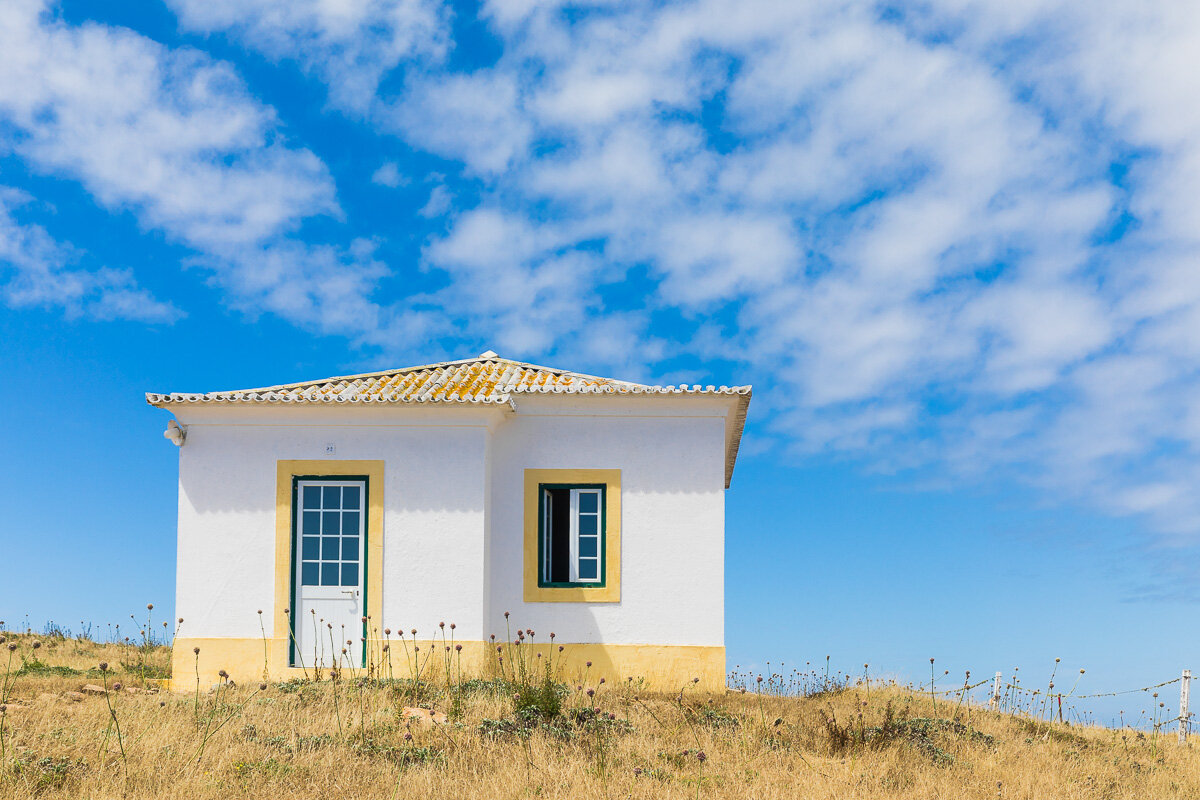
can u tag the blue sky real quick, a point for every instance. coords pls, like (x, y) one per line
(952, 244)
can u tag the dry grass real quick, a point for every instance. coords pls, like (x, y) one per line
(346, 741)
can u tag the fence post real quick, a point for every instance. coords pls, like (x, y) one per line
(994, 702)
(1184, 687)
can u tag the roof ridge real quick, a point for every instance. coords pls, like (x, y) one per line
(419, 367)
(357, 376)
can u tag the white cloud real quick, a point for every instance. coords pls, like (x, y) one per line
(350, 44)
(902, 225)
(907, 216)
(389, 175)
(40, 273)
(321, 288)
(174, 136)
(171, 133)
(439, 202)
(474, 118)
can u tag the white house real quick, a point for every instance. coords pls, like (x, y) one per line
(340, 508)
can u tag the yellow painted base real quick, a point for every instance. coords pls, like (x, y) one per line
(653, 667)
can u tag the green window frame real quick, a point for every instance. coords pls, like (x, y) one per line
(294, 545)
(572, 535)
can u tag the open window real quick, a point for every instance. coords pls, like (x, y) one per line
(571, 534)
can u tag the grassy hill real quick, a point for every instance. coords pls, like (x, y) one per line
(500, 738)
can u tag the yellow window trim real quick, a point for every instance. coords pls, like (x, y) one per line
(284, 525)
(611, 591)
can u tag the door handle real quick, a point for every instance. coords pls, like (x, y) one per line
(351, 592)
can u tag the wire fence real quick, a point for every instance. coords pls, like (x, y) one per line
(1005, 696)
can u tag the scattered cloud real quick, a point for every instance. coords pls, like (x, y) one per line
(929, 228)
(389, 175)
(174, 136)
(41, 273)
(958, 234)
(171, 133)
(349, 45)
(440, 201)
(475, 118)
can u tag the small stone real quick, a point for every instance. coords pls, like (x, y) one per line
(425, 716)
(92, 688)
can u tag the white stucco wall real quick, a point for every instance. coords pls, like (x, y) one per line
(453, 511)
(434, 476)
(672, 461)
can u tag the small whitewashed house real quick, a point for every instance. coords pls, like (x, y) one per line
(315, 516)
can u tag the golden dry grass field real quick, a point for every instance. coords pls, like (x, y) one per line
(350, 739)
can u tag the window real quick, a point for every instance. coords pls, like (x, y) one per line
(331, 532)
(571, 534)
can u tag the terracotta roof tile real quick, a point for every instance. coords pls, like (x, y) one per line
(486, 379)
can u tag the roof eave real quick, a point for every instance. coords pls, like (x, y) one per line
(734, 437)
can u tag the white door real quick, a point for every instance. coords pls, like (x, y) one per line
(330, 536)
